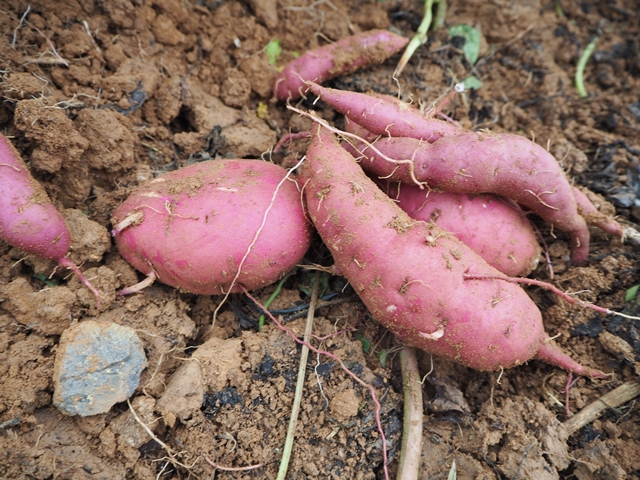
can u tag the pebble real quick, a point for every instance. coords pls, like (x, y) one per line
(98, 364)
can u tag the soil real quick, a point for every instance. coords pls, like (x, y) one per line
(100, 97)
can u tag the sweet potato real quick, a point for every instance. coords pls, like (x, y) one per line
(428, 129)
(28, 219)
(383, 116)
(504, 164)
(344, 56)
(488, 224)
(193, 227)
(411, 275)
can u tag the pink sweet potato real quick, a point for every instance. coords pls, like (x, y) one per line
(191, 228)
(504, 164)
(383, 116)
(344, 56)
(28, 219)
(411, 275)
(488, 224)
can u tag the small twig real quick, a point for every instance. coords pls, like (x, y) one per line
(231, 469)
(524, 457)
(552, 288)
(302, 369)
(50, 43)
(570, 383)
(411, 450)
(621, 395)
(167, 448)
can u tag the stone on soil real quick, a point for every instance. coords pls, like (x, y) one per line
(98, 364)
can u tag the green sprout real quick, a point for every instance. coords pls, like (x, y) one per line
(582, 63)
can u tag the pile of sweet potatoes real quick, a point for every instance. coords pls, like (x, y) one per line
(217, 226)
(413, 275)
(209, 228)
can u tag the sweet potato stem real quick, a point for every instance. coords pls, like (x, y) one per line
(582, 63)
(273, 296)
(420, 38)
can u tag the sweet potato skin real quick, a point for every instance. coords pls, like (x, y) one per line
(486, 223)
(28, 219)
(200, 220)
(503, 164)
(329, 61)
(411, 275)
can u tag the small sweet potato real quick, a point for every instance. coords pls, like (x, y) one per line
(193, 227)
(385, 116)
(411, 275)
(344, 56)
(28, 219)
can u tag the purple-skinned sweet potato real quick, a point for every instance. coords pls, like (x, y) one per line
(491, 226)
(339, 58)
(411, 275)
(28, 219)
(193, 227)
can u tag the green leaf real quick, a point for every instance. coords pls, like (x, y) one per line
(306, 283)
(273, 51)
(631, 293)
(383, 357)
(472, 82)
(47, 281)
(472, 37)
(366, 343)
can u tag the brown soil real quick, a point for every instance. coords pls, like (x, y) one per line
(151, 85)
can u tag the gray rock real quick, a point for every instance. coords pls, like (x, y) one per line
(98, 364)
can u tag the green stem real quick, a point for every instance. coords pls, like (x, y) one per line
(273, 296)
(441, 13)
(582, 63)
(302, 368)
(411, 450)
(420, 37)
